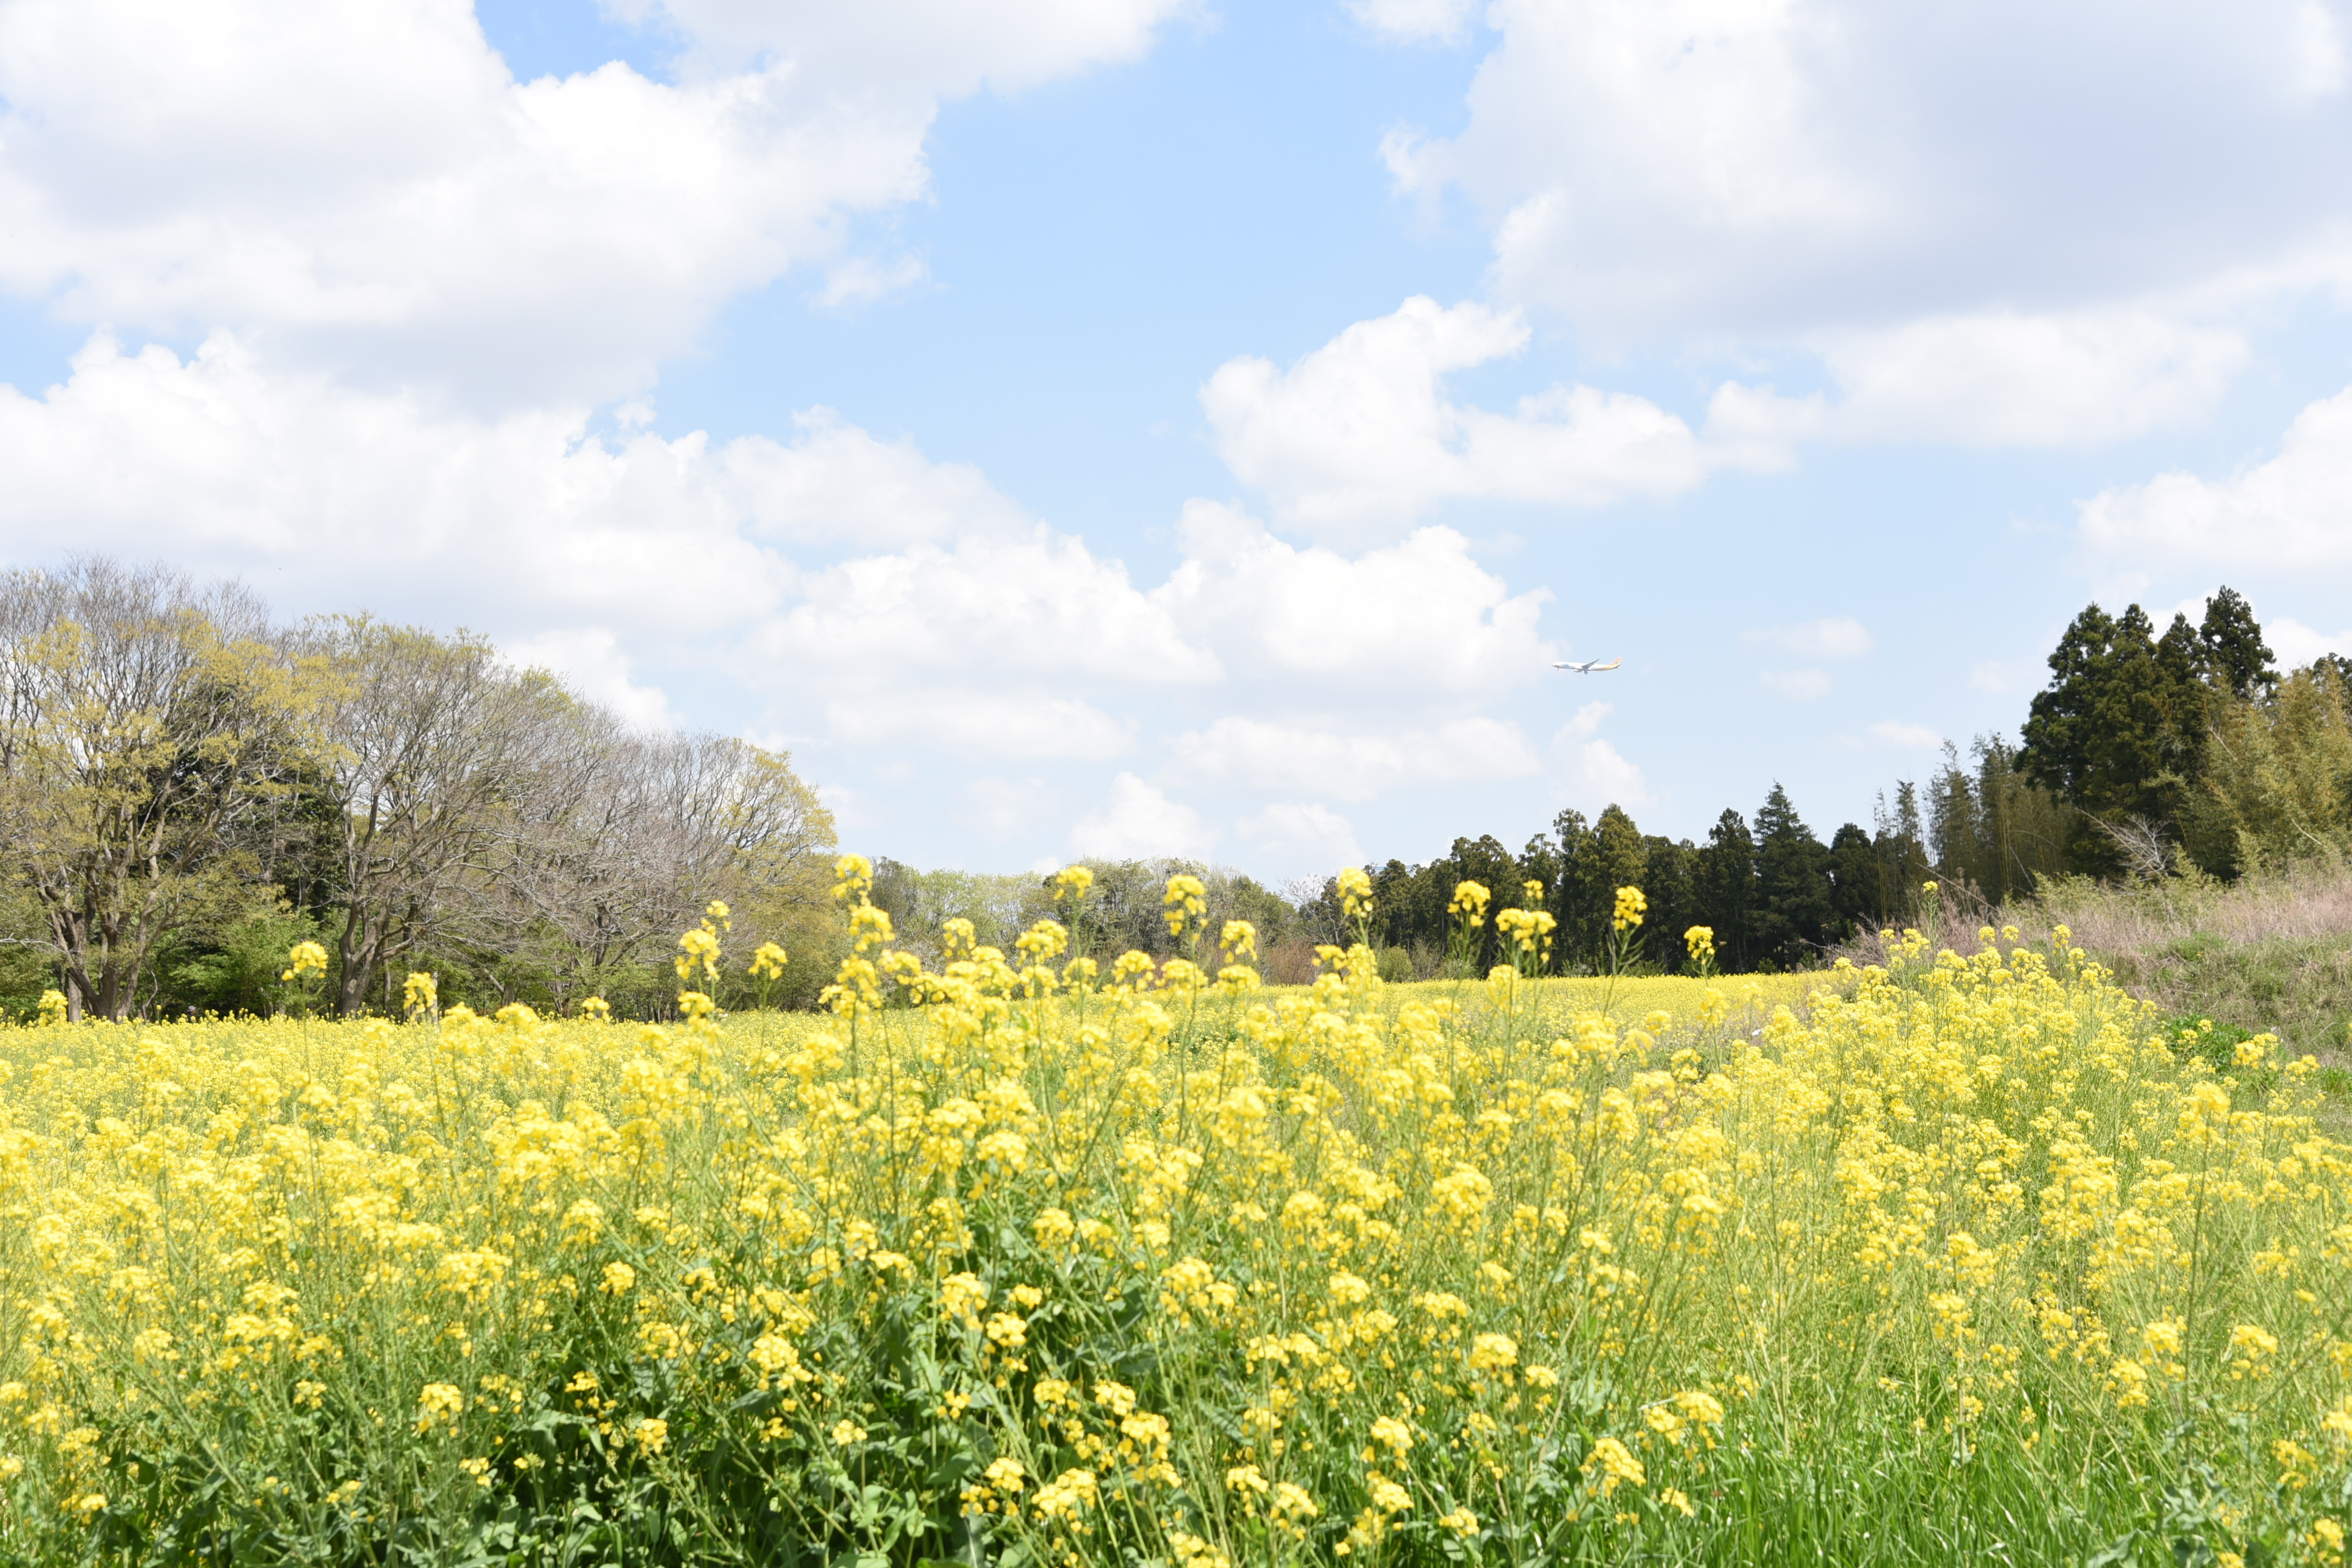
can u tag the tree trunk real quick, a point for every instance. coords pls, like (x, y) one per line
(352, 978)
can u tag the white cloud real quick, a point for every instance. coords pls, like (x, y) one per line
(1359, 438)
(1415, 21)
(2007, 379)
(326, 495)
(1411, 622)
(860, 278)
(1998, 378)
(632, 563)
(2292, 511)
(1303, 834)
(1030, 723)
(588, 659)
(1351, 764)
(2296, 645)
(1770, 168)
(1037, 605)
(365, 185)
(2318, 51)
(835, 484)
(1139, 822)
(939, 47)
(1588, 771)
(2005, 678)
(1796, 685)
(1914, 737)
(999, 809)
(1584, 723)
(1833, 637)
(225, 463)
(599, 556)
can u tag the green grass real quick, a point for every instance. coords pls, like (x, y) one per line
(2299, 989)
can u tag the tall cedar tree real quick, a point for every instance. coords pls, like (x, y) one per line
(1485, 861)
(1793, 909)
(2108, 734)
(1727, 889)
(1575, 896)
(2120, 730)
(1854, 879)
(1670, 881)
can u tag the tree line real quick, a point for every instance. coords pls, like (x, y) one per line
(1771, 891)
(2145, 754)
(188, 788)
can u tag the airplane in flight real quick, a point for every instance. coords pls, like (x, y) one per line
(1590, 667)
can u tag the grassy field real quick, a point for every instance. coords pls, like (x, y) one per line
(1958, 1261)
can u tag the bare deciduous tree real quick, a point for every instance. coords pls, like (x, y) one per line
(431, 746)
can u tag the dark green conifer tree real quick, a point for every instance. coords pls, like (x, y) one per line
(1793, 907)
(1727, 888)
(1854, 892)
(2237, 660)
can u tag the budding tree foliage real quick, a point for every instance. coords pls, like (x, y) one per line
(147, 731)
(630, 838)
(427, 746)
(167, 757)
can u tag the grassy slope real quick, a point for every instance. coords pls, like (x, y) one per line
(2274, 953)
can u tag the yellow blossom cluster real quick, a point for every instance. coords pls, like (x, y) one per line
(1092, 1263)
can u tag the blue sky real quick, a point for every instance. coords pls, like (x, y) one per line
(1135, 426)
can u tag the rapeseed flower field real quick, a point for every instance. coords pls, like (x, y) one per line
(1019, 1258)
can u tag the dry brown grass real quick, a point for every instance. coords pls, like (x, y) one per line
(2310, 902)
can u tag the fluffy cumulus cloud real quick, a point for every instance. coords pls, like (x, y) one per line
(1588, 770)
(1138, 820)
(1784, 165)
(854, 594)
(1358, 763)
(598, 556)
(1361, 436)
(1015, 647)
(1998, 378)
(1412, 623)
(933, 47)
(2289, 511)
(2297, 644)
(1415, 21)
(364, 185)
(522, 523)
(1959, 249)
(1299, 833)
(351, 496)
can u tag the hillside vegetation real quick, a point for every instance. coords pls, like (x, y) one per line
(2271, 953)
